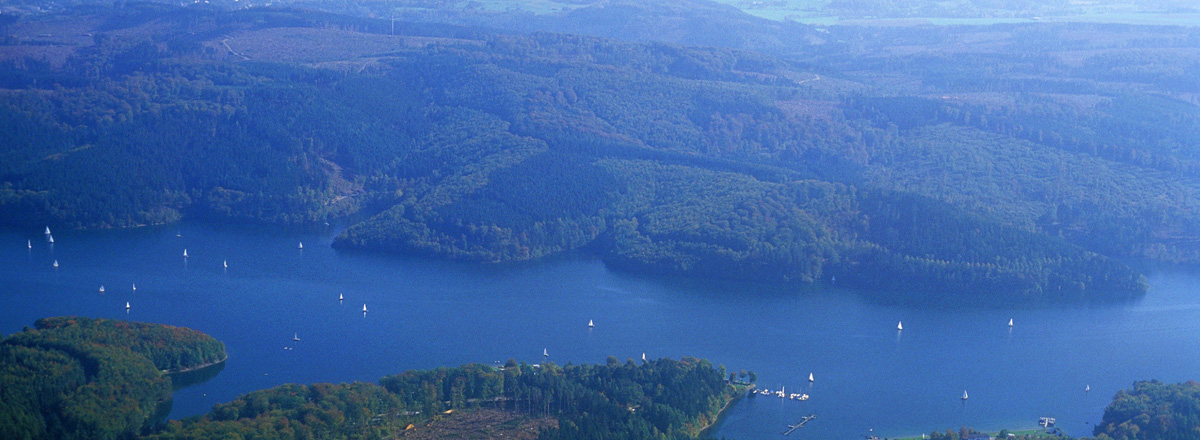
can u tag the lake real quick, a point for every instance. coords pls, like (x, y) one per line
(426, 313)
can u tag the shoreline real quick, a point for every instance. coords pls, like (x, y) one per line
(1025, 431)
(196, 367)
(721, 412)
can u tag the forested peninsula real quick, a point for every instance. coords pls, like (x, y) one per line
(831, 153)
(84, 378)
(656, 399)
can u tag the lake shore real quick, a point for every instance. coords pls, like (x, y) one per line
(720, 413)
(196, 367)
(1035, 433)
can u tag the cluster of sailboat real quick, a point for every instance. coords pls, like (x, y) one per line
(783, 394)
(128, 306)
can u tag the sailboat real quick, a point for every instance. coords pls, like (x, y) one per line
(185, 253)
(51, 239)
(545, 352)
(1010, 322)
(126, 305)
(135, 287)
(101, 288)
(47, 230)
(591, 324)
(900, 325)
(29, 244)
(340, 297)
(364, 308)
(301, 246)
(225, 263)
(296, 337)
(1087, 388)
(55, 263)
(964, 397)
(810, 377)
(643, 357)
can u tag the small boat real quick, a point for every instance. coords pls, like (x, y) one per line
(545, 352)
(364, 308)
(135, 287)
(51, 239)
(55, 263)
(47, 230)
(185, 253)
(301, 246)
(964, 397)
(29, 244)
(643, 357)
(810, 377)
(225, 263)
(900, 326)
(591, 324)
(1087, 388)
(101, 288)
(341, 298)
(1010, 322)
(126, 305)
(296, 337)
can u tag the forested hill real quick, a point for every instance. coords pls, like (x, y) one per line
(83, 378)
(1152, 410)
(657, 399)
(884, 166)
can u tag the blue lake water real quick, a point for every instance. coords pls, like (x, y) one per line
(426, 313)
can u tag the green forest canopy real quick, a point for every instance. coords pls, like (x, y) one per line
(658, 399)
(835, 158)
(84, 378)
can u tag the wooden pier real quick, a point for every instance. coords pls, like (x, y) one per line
(806, 419)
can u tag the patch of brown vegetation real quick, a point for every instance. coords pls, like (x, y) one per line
(483, 424)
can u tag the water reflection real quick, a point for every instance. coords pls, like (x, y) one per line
(195, 377)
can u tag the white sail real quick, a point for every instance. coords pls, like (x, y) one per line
(810, 377)
(51, 239)
(225, 263)
(643, 357)
(47, 230)
(185, 253)
(29, 244)
(591, 324)
(55, 263)
(135, 287)
(300, 246)
(364, 308)
(545, 352)
(295, 336)
(340, 297)
(1010, 322)
(126, 305)
(101, 288)
(964, 397)
(900, 326)
(1087, 388)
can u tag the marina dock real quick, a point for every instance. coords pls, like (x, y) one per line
(799, 425)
